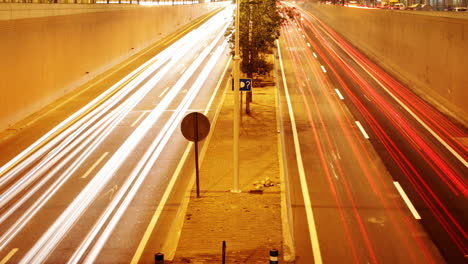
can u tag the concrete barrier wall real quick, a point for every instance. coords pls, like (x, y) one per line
(43, 58)
(10, 11)
(425, 50)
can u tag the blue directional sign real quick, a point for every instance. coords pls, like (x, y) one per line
(245, 85)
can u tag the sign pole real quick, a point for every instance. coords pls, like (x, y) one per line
(236, 101)
(195, 127)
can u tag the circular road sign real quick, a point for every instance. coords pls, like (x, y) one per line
(195, 126)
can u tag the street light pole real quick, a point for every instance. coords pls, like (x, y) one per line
(236, 100)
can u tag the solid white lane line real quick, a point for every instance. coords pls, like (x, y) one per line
(305, 190)
(339, 94)
(138, 119)
(8, 257)
(323, 69)
(407, 200)
(94, 165)
(308, 44)
(362, 130)
(162, 94)
(315, 55)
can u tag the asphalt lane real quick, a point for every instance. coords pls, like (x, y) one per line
(415, 148)
(359, 215)
(84, 199)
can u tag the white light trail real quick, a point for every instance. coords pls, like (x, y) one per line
(55, 233)
(168, 191)
(67, 142)
(145, 165)
(40, 202)
(10, 193)
(153, 65)
(81, 128)
(76, 128)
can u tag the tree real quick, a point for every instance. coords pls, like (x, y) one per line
(260, 23)
(259, 28)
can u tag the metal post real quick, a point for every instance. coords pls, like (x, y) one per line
(236, 101)
(159, 258)
(274, 256)
(224, 253)
(195, 127)
(248, 100)
(240, 105)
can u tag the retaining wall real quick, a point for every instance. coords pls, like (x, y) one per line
(428, 51)
(44, 54)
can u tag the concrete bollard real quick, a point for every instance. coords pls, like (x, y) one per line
(159, 258)
(274, 256)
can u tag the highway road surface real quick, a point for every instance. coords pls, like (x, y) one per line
(94, 187)
(376, 175)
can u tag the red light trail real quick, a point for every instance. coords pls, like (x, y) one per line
(446, 133)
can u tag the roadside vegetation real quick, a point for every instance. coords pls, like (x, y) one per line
(260, 22)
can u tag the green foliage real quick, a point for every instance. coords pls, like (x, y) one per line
(259, 28)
